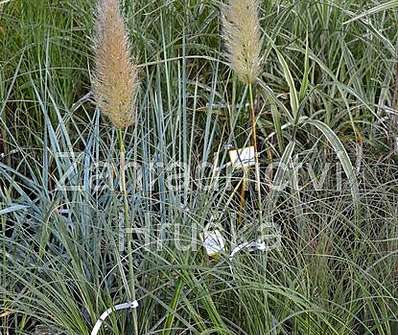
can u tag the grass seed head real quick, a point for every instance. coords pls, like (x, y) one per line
(116, 75)
(242, 36)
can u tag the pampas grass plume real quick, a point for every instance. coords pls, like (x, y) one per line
(116, 75)
(242, 36)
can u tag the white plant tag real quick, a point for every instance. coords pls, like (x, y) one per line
(213, 242)
(243, 158)
(109, 311)
(250, 246)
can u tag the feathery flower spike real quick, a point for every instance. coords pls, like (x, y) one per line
(116, 77)
(242, 35)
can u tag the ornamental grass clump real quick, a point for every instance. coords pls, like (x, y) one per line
(116, 74)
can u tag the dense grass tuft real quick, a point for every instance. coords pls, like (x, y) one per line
(326, 126)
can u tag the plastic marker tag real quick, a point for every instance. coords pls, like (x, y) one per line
(249, 246)
(242, 158)
(109, 311)
(213, 242)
